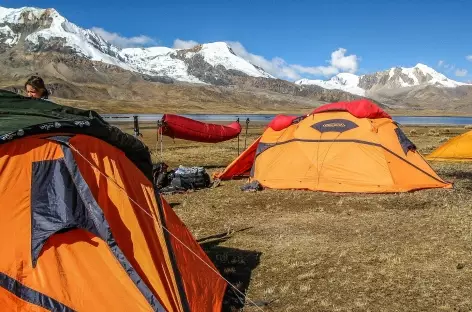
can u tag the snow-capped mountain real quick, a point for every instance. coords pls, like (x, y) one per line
(45, 30)
(344, 81)
(187, 65)
(79, 63)
(392, 79)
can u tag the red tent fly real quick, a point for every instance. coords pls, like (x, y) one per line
(184, 128)
(360, 108)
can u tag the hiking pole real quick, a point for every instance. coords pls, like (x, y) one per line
(159, 130)
(238, 136)
(157, 135)
(245, 137)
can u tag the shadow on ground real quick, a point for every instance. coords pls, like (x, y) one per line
(235, 265)
(460, 178)
(458, 174)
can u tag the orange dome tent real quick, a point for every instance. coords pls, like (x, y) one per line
(458, 148)
(83, 227)
(340, 147)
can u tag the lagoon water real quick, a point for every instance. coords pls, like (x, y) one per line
(266, 118)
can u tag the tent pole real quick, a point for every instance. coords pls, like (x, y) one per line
(245, 137)
(157, 136)
(160, 129)
(238, 136)
(159, 139)
(136, 126)
(238, 144)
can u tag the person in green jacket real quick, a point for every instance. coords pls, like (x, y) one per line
(35, 88)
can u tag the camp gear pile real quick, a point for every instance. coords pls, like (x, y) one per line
(181, 179)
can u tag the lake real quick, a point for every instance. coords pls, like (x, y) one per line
(404, 120)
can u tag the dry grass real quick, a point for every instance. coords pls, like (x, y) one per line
(330, 252)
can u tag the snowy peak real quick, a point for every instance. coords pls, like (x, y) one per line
(344, 81)
(175, 62)
(22, 15)
(45, 30)
(32, 29)
(221, 53)
(393, 78)
(420, 74)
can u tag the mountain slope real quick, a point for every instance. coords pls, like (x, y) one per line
(42, 30)
(418, 87)
(394, 78)
(71, 77)
(344, 81)
(78, 64)
(46, 30)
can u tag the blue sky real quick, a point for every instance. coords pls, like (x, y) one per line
(294, 38)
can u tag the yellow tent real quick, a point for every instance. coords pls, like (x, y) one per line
(458, 148)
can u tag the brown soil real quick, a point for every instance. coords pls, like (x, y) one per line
(314, 251)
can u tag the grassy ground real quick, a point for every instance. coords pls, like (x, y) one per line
(313, 251)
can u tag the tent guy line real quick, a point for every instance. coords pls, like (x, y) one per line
(163, 227)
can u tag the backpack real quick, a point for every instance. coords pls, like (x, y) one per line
(190, 178)
(160, 175)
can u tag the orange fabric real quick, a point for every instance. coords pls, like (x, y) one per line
(72, 252)
(337, 152)
(458, 148)
(11, 303)
(125, 217)
(198, 293)
(77, 268)
(149, 260)
(241, 165)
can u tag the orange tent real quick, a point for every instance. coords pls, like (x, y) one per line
(458, 148)
(83, 228)
(332, 149)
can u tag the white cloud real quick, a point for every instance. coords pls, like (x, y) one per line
(278, 67)
(445, 66)
(124, 42)
(344, 63)
(316, 71)
(461, 72)
(469, 57)
(184, 44)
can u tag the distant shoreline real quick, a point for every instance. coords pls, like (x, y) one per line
(459, 121)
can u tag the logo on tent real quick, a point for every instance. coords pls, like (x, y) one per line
(334, 125)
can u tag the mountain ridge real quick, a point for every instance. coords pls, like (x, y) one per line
(47, 30)
(393, 78)
(41, 40)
